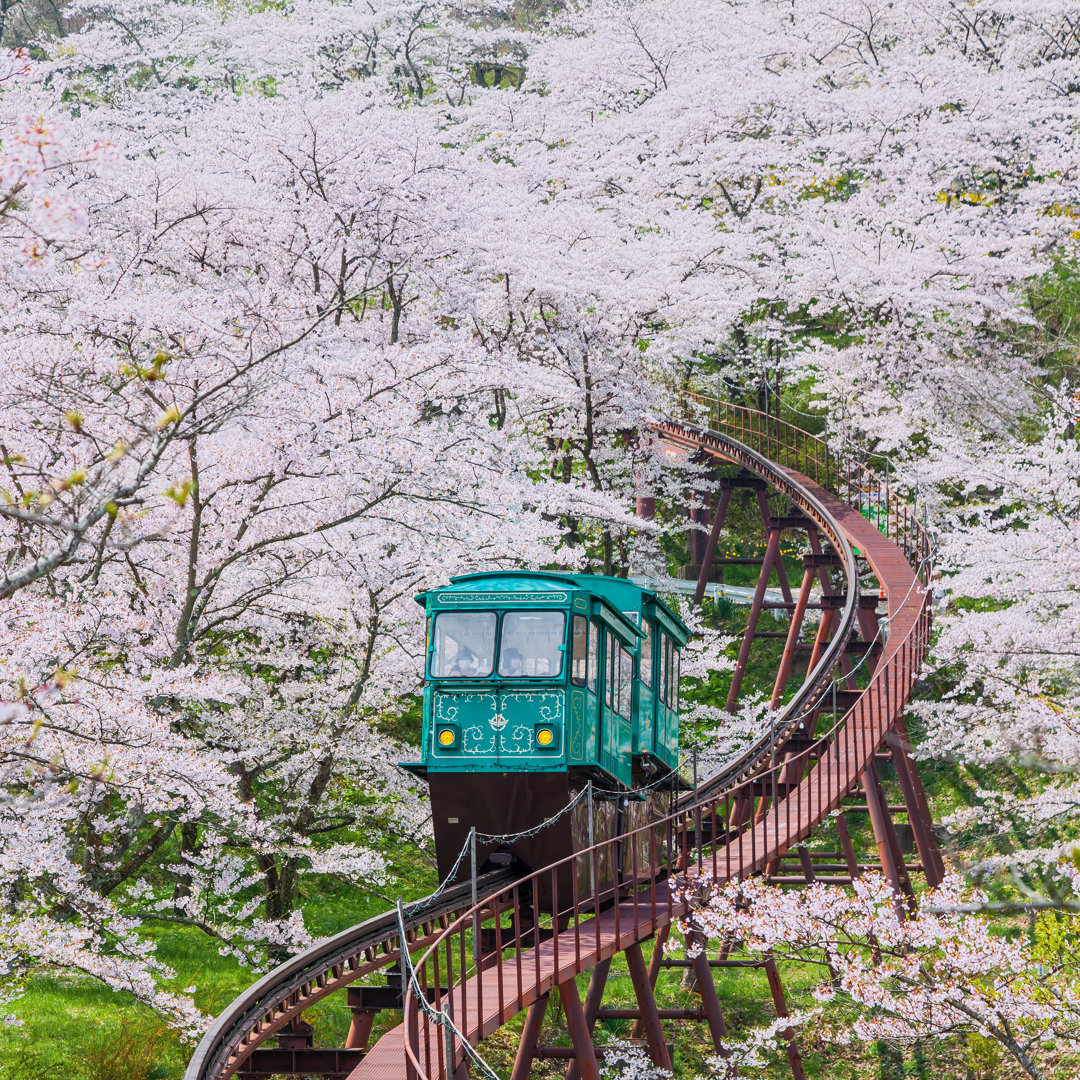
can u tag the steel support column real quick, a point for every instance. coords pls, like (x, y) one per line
(794, 630)
(781, 570)
(892, 860)
(530, 1039)
(699, 502)
(714, 1015)
(821, 639)
(771, 551)
(363, 1020)
(650, 1017)
(776, 988)
(580, 1035)
(915, 801)
(846, 845)
(594, 998)
(655, 960)
(710, 545)
(870, 630)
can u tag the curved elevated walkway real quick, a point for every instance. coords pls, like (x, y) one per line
(736, 834)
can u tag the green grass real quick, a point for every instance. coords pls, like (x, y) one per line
(75, 1028)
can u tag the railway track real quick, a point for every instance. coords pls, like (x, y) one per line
(280, 996)
(484, 963)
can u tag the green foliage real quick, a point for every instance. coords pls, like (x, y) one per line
(31, 1064)
(983, 1058)
(79, 1030)
(134, 1050)
(1054, 300)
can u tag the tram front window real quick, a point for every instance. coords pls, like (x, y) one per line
(464, 645)
(532, 644)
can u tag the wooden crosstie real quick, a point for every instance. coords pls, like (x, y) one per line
(486, 963)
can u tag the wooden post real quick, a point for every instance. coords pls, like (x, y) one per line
(654, 1031)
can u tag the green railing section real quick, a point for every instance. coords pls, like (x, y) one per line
(793, 448)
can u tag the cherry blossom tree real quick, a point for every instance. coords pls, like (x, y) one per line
(332, 301)
(1006, 656)
(939, 973)
(239, 435)
(40, 151)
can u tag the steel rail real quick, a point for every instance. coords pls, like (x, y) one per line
(808, 696)
(283, 993)
(268, 1006)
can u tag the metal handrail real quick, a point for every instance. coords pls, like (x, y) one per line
(847, 479)
(809, 694)
(725, 835)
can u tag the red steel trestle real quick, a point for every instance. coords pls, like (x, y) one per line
(839, 759)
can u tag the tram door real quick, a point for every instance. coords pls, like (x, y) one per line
(584, 714)
(615, 709)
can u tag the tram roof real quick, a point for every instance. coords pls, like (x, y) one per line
(617, 593)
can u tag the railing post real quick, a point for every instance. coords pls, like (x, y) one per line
(448, 1039)
(473, 897)
(592, 840)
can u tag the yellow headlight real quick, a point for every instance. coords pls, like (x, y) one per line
(446, 737)
(544, 736)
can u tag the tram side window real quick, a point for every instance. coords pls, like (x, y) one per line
(616, 676)
(626, 681)
(667, 671)
(676, 655)
(609, 670)
(579, 650)
(673, 674)
(464, 645)
(531, 644)
(594, 654)
(661, 643)
(645, 673)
